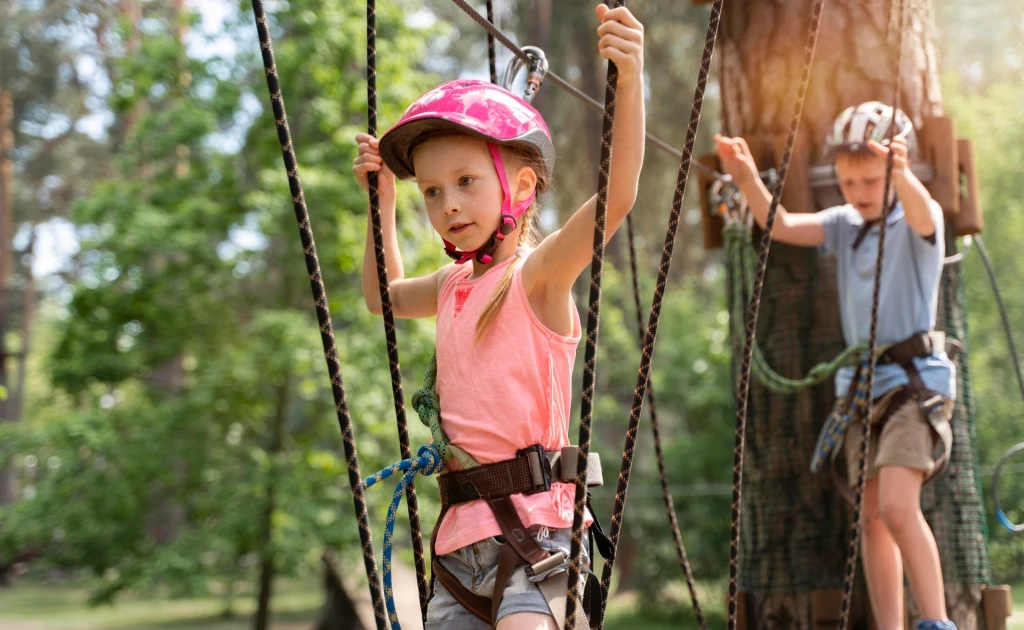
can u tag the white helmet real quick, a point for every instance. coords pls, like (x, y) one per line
(868, 121)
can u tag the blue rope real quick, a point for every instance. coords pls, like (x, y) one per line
(428, 461)
(832, 433)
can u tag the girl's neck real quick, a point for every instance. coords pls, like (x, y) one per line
(506, 250)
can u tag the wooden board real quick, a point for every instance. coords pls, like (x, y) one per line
(968, 221)
(711, 222)
(938, 145)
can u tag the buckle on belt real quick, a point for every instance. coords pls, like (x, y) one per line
(932, 404)
(540, 468)
(554, 564)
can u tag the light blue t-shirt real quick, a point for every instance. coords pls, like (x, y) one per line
(908, 296)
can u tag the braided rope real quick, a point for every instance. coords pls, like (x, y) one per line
(666, 495)
(650, 337)
(737, 248)
(743, 386)
(572, 90)
(322, 311)
(428, 406)
(428, 461)
(416, 534)
(865, 387)
(492, 61)
(590, 355)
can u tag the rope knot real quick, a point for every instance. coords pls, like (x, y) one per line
(430, 458)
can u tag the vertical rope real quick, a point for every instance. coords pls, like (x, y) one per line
(650, 337)
(590, 355)
(666, 494)
(743, 389)
(389, 316)
(322, 312)
(865, 397)
(491, 57)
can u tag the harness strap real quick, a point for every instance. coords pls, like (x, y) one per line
(531, 471)
(922, 344)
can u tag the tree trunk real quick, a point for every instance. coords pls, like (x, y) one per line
(262, 621)
(795, 526)
(339, 611)
(6, 260)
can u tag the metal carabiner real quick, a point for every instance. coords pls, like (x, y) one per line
(537, 70)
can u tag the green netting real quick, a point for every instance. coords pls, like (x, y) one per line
(795, 525)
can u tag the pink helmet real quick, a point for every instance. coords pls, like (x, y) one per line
(479, 109)
(472, 107)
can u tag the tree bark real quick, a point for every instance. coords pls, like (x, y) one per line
(6, 261)
(339, 611)
(795, 526)
(262, 621)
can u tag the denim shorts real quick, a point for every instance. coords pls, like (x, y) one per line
(476, 567)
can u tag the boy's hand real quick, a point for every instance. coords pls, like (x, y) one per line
(368, 159)
(900, 156)
(736, 159)
(622, 42)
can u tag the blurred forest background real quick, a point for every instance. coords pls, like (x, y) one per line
(168, 432)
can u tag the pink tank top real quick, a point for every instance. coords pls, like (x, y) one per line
(510, 390)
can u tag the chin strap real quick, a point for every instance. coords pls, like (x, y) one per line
(506, 223)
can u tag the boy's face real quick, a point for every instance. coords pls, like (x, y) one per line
(862, 182)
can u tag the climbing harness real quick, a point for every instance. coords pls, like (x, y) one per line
(932, 405)
(743, 384)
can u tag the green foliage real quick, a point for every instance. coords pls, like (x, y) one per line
(991, 119)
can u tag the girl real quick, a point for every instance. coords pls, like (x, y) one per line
(507, 328)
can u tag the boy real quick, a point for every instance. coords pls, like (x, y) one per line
(915, 382)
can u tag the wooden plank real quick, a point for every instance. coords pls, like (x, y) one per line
(825, 608)
(968, 221)
(998, 606)
(711, 222)
(938, 145)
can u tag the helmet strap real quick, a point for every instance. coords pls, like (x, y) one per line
(507, 222)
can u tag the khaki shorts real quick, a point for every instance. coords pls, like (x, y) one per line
(905, 439)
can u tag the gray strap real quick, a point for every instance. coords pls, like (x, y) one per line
(554, 590)
(563, 466)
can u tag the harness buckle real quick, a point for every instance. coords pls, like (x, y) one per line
(932, 404)
(554, 564)
(540, 468)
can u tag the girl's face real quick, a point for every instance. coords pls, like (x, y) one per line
(461, 189)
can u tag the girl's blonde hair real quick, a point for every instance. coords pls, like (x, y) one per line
(529, 234)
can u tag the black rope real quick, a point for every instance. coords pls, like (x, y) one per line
(643, 374)
(590, 355)
(422, 582)
(666, 494)
(572, 90)
(990, 270)
(743, 389)
(491, 58)
(865, 401)
(323, 314)
(1012, 346)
